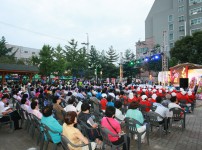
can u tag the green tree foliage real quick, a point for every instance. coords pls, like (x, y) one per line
(130, 65)
(6, 54)
(76, 58)
(111, 55)
(59, 63)
(188, 49)
(46, 60)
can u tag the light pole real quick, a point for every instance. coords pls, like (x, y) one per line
(101, 76)
(87, 43)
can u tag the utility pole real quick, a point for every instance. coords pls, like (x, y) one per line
(87, 44)
(121, 67)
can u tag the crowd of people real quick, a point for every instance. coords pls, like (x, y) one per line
(72, 105)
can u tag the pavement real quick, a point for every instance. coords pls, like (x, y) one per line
(177, 139)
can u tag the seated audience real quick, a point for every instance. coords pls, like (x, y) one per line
(113, 126)
(72, 133)
(57, 107)
(52, 123)
(134, 113)
(35, 109)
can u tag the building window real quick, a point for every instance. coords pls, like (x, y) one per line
(171, 36)
(195, 30)
(171, 45)
(181, 28)
(181, 18)
(170, 27)
(195, 11)
(170, 18)
(180, 8)
(193, 2)
(196, 21)
(25, 51)
(33, 53)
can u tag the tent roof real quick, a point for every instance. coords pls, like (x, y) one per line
(15, 68)
(190, 66)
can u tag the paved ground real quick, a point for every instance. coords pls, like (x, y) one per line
(189, 139)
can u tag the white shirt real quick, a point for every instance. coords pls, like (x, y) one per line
(1, 108)
(162, 111)
(70, 107)
(26, 108)
(119, 115)
(173, 105)
(37, 113)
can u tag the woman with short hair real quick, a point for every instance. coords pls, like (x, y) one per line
(134, 113)
(72, 133)
(52, 123)
(113, 126)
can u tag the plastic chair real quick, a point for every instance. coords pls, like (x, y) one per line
(178, 115)
(105, 132)
(9, 121)
(46, 131)
(65, 141)
(131, 127)
(38, 126)
(152, 119)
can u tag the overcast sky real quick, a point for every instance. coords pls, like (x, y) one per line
(33, 23)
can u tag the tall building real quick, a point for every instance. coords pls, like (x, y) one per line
(174, 18)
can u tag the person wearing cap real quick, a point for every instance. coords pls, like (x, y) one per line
(145, 102)
(103, 102)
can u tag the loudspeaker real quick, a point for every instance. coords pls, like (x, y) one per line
(184, 83)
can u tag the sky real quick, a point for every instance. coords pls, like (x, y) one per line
(33, 23)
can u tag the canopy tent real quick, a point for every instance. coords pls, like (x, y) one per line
(6, 69)
(189, 65)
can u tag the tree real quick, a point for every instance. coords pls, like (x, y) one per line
(6, 55)
(111, 55)
(77, 59)
(59, 63)
(46, 60)
(188, 49)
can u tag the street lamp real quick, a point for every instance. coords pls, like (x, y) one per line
(87, 44)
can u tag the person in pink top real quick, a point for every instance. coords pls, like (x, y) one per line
(114, 126)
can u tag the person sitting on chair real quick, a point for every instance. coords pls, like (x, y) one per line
(73, 134)
(9, 111)
(52, 123)
(113, 125)
(134, 113)
(86, 117)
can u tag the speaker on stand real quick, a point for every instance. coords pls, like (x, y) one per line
(184, 83)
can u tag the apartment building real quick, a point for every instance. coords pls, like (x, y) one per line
(174, 18)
